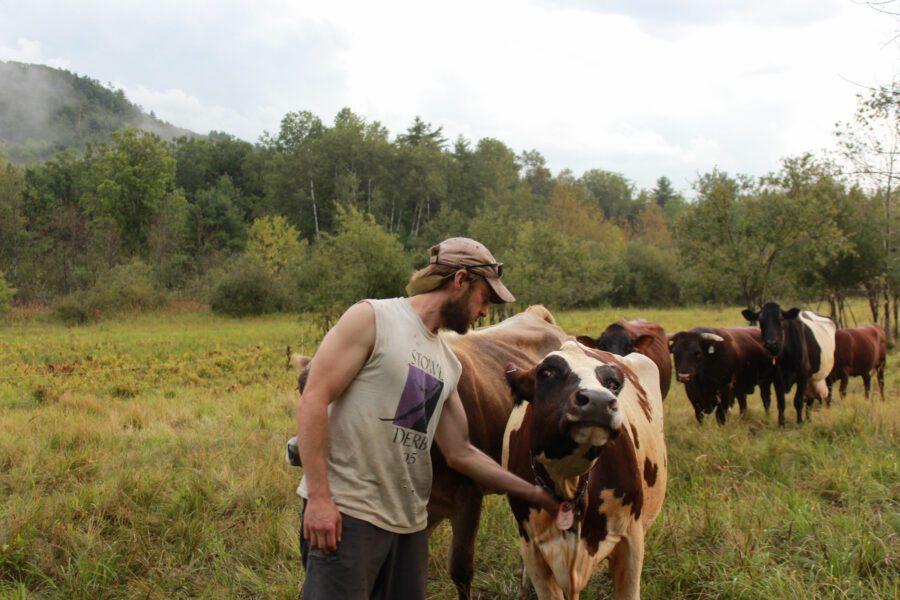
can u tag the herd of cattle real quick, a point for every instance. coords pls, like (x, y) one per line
(583, 417)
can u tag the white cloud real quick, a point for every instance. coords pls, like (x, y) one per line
(29, 51)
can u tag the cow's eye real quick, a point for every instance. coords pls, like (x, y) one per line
(612, 385)
(545, 373)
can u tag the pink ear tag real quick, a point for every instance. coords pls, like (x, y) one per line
(773, 361)
(565, 517)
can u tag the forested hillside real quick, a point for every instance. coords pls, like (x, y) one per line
(44, 111)
(318, 215)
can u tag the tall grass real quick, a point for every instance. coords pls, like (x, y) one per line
(143, 458)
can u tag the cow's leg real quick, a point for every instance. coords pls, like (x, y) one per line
(844, 379)
(880, 375)
(779, 399)
(464, 523)
(540, 573)
(742, 402)
(799, 397)
(766, 394)
(867, 383)
(722, 406)
(829, 383)
(626, 562)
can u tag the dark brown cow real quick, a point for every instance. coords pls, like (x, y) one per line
(719, 365)
(625, 337)
(589, 426)
(858, 352)
(484, 353)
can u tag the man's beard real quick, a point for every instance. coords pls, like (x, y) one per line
(455, 314)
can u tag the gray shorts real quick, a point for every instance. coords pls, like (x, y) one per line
(369, 563)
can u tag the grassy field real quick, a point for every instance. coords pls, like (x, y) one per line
(143, 458)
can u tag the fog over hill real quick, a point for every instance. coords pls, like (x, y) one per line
(44, 110)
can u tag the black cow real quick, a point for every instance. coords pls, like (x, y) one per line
(801, 347)
(719, 365)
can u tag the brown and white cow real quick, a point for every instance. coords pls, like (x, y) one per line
(524, 338)
(624, 337)
(859, 352)
(588, 425)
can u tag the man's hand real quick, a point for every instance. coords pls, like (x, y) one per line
(322, 525)
(545, 500)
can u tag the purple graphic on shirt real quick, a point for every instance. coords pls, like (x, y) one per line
(417, 401)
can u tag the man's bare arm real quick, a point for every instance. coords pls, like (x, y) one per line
(343, 352)
(452, 436)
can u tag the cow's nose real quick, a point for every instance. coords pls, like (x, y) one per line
(771, 346)
(684, 377)
(593, 405)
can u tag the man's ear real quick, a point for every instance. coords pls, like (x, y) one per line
(520, 382)
(642, 343)
(460, 277)
(588, 341)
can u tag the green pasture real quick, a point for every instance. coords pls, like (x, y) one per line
(144, 458)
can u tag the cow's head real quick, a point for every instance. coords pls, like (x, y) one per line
(574, 404)
(691, 350)
(771, 325)
(617, 341)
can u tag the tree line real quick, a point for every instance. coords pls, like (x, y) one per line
(318, 215)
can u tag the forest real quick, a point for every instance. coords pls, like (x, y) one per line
(316, 216)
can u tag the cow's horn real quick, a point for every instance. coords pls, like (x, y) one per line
(712, 337)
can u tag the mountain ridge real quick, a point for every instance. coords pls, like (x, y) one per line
(45, 110)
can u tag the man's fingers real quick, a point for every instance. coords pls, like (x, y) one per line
(339, 530)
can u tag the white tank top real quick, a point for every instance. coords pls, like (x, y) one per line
(381, 429)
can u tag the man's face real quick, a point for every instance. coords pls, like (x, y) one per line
(472, 303)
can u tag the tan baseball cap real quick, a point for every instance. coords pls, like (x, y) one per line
(465, 253)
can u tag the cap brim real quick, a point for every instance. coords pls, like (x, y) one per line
(499, 293)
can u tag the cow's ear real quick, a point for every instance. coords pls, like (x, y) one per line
(791, 314)
(751, 316)
(587, 341)
(642, 342)
(520, 382)
(671, 337)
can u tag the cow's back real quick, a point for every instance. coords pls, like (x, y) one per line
(485, 353)
(823, 330)
(657, 351)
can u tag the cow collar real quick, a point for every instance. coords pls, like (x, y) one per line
(579, 494)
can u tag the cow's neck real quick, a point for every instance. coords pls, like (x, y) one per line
(568, 474)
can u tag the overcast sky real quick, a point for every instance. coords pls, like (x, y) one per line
(642, 87)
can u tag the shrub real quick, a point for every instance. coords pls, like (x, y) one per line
(6, 295)
(247, 288)
(647, 276)
(73, 309)
(360, 261)
(126, 287)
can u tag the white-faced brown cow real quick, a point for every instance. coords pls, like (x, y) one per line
(589, 426)
(624, 337)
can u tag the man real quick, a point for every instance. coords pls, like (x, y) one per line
(366, 421)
